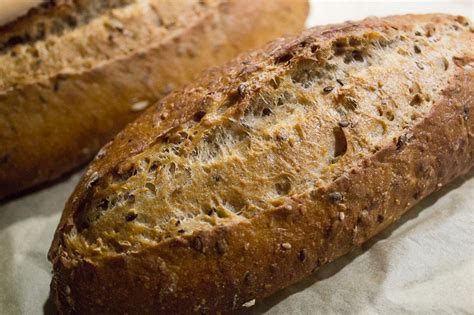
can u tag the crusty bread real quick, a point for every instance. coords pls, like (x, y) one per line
(269, 167)
(74, 72)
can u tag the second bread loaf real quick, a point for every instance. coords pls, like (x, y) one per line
(73, 73)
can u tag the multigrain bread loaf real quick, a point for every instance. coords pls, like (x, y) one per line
(267, 168)
(74, 72)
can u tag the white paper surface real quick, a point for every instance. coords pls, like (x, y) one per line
(424, 264)
(10, 9)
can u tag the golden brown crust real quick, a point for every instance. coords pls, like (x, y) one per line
(219, 269)
(60, 121)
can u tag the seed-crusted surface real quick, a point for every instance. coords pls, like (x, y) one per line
(315, 112)
(75, 72)
(269, 167)
(87, 34)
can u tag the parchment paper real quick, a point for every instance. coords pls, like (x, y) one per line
(423, 264)
(10, 9)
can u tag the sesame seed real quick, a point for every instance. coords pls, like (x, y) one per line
(286, 246)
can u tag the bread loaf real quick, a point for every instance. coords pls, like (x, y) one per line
(265, 169)
(74, 72)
